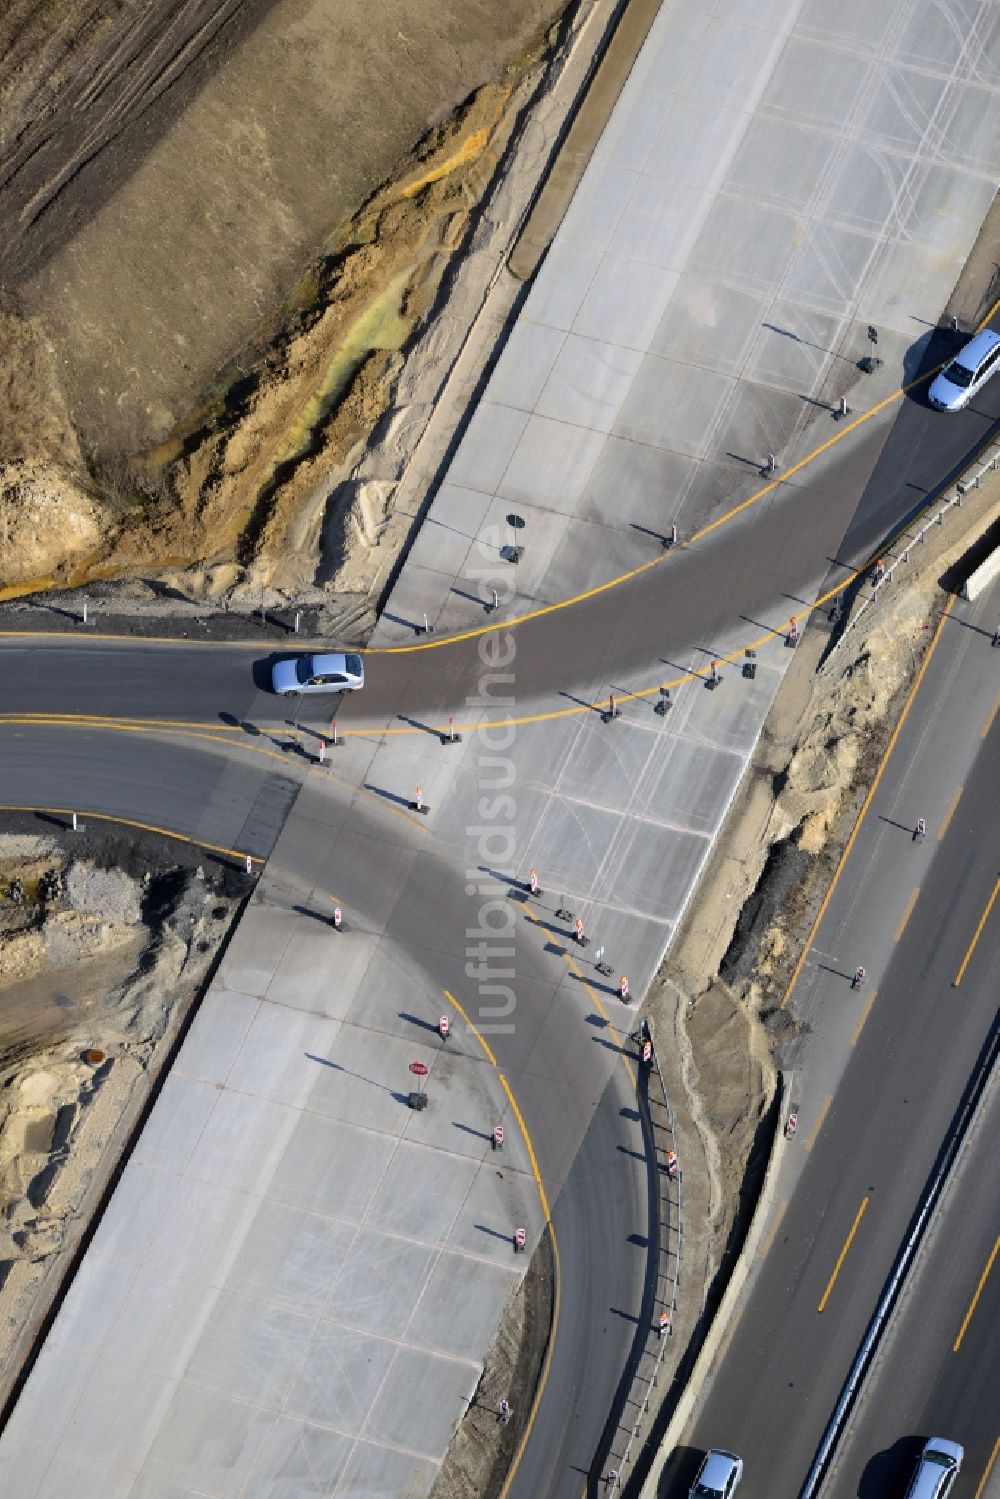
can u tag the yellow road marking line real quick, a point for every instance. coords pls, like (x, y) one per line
(986, 319)
(949, 814)
(556, 1300)
(220, 645)
(823, 1110)
(145, 827)
(848, 846)
(976, 935)
(95, 720)
(906, 914)
(472, 1026)
(635, 572)
(987, 1471)
(557, 1273)
(843, 1254)
(863, 1017)
(991, 715)
(112, 726)
(765, 1248)
(976, 1295)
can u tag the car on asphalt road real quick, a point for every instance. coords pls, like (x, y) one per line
(937, 1469)
(718, 1475)
(967, 373)
(325, 673)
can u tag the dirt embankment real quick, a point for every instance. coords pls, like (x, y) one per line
(719, 995)
(98, 965)
(220, 234)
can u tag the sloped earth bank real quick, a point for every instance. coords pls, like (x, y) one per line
(715, 1004)
(199, 326)
(105, 942)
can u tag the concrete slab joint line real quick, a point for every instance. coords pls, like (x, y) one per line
(685, 1407)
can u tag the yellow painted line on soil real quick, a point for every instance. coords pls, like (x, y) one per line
(843, 1254)
(765, 1248)
(976, 1295)
(848, 846)
(145, 827)
(949, 814)
(976, 935)
(824, 1109)
(556, 1299)
(906, 914)
(863, 1017)
(991, 715)
(981, 1488)
(472, 1027)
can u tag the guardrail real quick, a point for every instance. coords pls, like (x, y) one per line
(883, 574)
(670, 1201)
(888, 1300)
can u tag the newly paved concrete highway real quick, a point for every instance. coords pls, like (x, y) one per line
(881, 1073)
(762, 192)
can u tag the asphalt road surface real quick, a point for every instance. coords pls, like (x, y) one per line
(624, 638)
(870, 1147)
(627, 637)
(936, 1374)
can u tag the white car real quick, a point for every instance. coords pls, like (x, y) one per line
(937, 1468)
(718, 1475)
(333, 673)
(967, 373)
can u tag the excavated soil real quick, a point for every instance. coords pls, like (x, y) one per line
(223, 218)
(105, 942)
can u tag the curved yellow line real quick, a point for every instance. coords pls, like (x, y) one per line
(110, 726)
(543, 1377)
(556, 1273)
(635, 572)
(145, 827)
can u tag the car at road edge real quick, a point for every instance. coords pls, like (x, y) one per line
(332, 672)
(937, 1468)
(718, 1475)
(966, 374)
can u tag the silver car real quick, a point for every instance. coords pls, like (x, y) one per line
(937, 1468)
(718, 1475)
(967, 373)
(326, 673)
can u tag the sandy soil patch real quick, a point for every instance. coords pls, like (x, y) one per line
(98, 968)
(186, 264)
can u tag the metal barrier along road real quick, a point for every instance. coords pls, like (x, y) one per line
(670, 1204)
(883, 571)
(887, 1301)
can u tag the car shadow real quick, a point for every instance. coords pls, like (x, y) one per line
(885, 1473)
